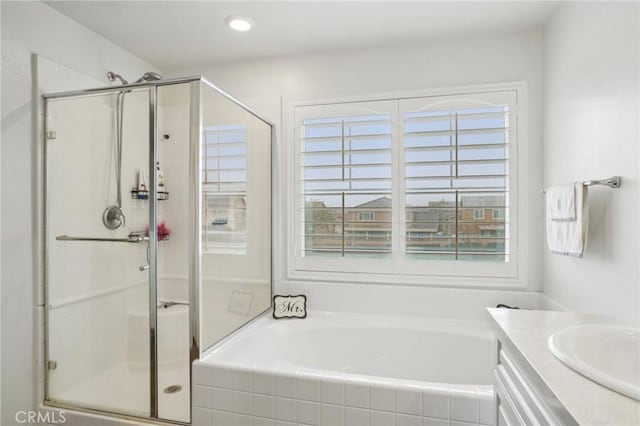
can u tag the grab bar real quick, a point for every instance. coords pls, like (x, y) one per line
(134, 237)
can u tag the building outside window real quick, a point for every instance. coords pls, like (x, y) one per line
(366, 216)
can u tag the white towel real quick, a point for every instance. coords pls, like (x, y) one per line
(569, 237)
(561, 203)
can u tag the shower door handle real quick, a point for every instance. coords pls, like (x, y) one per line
(143, 267)
(132, 238)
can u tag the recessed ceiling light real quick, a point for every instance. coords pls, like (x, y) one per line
(239, 23)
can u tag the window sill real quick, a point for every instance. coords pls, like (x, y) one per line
(457, 281)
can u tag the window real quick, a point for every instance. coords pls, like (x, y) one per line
(224, 177)
(346, 180)
(405, 186)
(366, 216)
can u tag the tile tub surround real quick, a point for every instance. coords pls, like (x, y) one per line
(225, 395)
(338, 369)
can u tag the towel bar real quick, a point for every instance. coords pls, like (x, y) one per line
(612, 182)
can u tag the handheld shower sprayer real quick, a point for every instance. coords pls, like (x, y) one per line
(113, 216)
(149, 76)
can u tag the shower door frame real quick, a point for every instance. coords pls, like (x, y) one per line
(194, 197)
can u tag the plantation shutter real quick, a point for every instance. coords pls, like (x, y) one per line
(345, 179)
(456, 167)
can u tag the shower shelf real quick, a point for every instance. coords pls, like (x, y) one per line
(137, 194)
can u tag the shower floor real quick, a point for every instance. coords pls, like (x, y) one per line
(125, 389)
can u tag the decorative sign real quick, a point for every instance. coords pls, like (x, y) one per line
(289, 306)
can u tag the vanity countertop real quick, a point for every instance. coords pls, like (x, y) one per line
(587, 402)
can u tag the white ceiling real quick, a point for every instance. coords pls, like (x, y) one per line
(177, 34)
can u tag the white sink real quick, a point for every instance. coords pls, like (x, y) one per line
(609, 355)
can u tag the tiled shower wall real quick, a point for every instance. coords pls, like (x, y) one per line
(224, 396)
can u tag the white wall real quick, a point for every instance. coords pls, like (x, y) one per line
(590, 106)
(262, 84)
(27, 28)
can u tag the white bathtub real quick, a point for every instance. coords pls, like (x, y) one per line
(338, 369)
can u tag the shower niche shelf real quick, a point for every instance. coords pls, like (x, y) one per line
(137, 194)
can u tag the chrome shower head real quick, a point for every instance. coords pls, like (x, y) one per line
(113, 76)
(149, 76)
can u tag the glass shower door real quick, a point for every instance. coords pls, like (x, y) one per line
(235, 216)
(97, 280)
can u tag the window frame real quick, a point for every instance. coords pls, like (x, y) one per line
(510, 274)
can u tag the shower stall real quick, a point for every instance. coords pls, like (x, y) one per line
(157, 235)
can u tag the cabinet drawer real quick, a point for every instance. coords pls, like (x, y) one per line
(529, 402)
(507, 412)
(531, 397)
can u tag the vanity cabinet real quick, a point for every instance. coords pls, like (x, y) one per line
(520, 399)
(534, 388)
